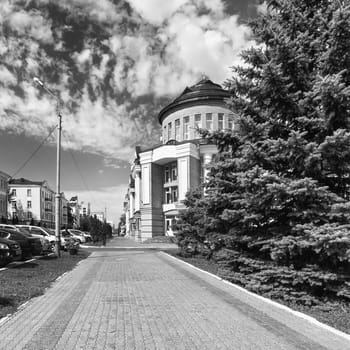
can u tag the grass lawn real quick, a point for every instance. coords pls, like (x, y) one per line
(19, 284)
(332, 313)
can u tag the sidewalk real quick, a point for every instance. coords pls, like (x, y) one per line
(127, 243)
(145, 299)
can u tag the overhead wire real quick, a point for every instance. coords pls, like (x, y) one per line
(78, 169)
(34, 153)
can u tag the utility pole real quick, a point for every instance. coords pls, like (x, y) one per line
(105, 214)
(58, 170)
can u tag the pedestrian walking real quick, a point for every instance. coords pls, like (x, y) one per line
(104, 237)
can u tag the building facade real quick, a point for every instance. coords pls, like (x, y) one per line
(34, 202)
(161, 175)
(3, 195)
(64, 211)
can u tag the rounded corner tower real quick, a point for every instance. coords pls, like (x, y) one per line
(201, 106)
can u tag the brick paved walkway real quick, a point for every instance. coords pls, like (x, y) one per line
(148, 300)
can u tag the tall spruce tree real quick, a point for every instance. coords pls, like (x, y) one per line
(280, 185)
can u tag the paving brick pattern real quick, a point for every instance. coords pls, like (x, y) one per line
(147, 300)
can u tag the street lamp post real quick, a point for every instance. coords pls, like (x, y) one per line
(58, 170)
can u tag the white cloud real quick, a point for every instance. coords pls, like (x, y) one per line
(7, 77)
(164, 47)
(156, 11)
(83, 57)
(31, 23)
(262, 8)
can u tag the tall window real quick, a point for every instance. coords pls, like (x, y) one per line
(221, 121)
(164, 134)
(209, 121)
(167, 174)
(170, 173)
(29, 204)
(29, 214)
(14, 193)
(168, 195)
(197, 123)
(174, 172)
(169, 131)
(174, 194)
(186, 128)
(230, 122)
(29, 193)
(171, 195)
(177, 129)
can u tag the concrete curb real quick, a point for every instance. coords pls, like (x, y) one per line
(299, 314)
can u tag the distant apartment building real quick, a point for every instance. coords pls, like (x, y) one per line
(85, 209)
(64, 211)
(75, 208)
(161, 175)
(3, 195)
(34, 201)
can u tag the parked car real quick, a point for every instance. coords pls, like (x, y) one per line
(79, 235)
(4, 254)
(9, 251)
(87, 236)
(41, 231)
(11, 227)
(36, 246)
(46, 246)
(20, 238)
(66, 240)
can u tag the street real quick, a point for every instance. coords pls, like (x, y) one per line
(145, 299)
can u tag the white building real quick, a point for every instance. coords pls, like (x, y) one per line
(163, 174)
(34, 201)
(64, 210)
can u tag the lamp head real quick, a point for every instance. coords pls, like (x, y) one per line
(38, 81)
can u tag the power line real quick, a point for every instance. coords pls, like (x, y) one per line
(79, 171)
(34, 153)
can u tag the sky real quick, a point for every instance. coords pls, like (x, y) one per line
(113, 65)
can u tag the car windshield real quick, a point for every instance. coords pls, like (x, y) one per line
(76, 232)
(50, 231)
(23, 230)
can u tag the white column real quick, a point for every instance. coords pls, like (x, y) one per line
(138, 190)
(206, 160)
(183, 174)
(146, 188)
(127, 217)
(132, 204)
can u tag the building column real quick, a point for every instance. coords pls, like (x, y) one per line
(138, 189)
(132, 203)
(207, 157)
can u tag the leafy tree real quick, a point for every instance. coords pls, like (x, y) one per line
(279, 188)
(70, 217)
(122, 221)
(85, 223)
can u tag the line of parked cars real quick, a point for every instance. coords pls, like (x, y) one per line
(21, 242)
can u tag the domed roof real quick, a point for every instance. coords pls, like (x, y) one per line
(204, 90)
